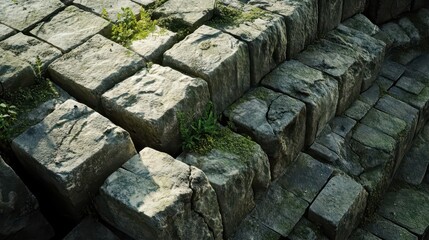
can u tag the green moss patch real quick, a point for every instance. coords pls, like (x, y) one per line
(230, 16)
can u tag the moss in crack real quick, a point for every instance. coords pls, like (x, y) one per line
(176, 25)
(231, 16)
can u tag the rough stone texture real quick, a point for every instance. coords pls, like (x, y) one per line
(20, 217)
(339, 207)
(304, 229)
(15, 73)
(392, 70)
(384, 10)
(216, 57)
(342, 126)
(410, 29)
(5, 31)
(154, 196)
(357, 110)
(360, 234)
(292, 210)
(330, 14)
(275, 121)
(371, 95)
(318, 91)
(305, 177)
(385, 229)
(396, 34)
(352, 8)
(361, 23)
(301, 21)
(93, 68)
(72, 151)
(112, 7)
(155, 44)
(29, 48)
(192, 12)
(235, 180)
(410, 85)
(22, 15)
(250, 228)
(384, 83)
(90, 228)
(407, 208)
(147, 105)
(66, 34)
(421, 64)
(144, 2)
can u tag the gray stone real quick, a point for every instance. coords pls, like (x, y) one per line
(410, 29)
(15, 73)
(420, 64)
(29, 49)
(22, 15)
(318, 91)
(410, 85)
(352, 8)
(385, 123)
(385, 229)
(339, 207)
(72, 151)
(371, 95)
(376, 181)
(145, 2)
(147, 105)
(154, 196)
(305, 177)
(360, 234)
(275, 121)
(155, 44)
(342, 126)
(5, 31)
(384, 10)
(216, 57)
(330, 14)
(111, 7)
(305, 230)
(392, 70)
(292, 210)
(361, 23)
(252, 229)
(384, 83)
(421, 21)
(397, 34)
(65, 34)
(421, 101)
(357, 110)
(373, 138)
(404, 56)
(90, 228)
(407, 208)
(93, 68)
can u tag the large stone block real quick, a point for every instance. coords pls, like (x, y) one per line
(90, 228)
(305, 229)
(216, 57)
(381, 11)
(111, 7)
(273, 120)
(357, 110)
(410, 29)
(251, 228)
(392, 70)
(330, 14)
(396, 34)
(319, 92)
(339, 207)
(147, 105)
(72, 151)
(5, 31)
(154, 196)
(352, 8)
(155, 44)
(15, 73)
(385, 229)
(66, 34)
(361, 23)
(93, 68)
(421, 64)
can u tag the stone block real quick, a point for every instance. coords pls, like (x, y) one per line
(5, 32)
(384, 83)
(339, 207)
(145, 2)
(154, 196)
(385, 229)
(357, 110)
(392, 70)
(410, 85)
(216, 57)
(361, 23)
(371, 95)
(155, 44)
(411, 30)
(15, 73)
(111, 7)
(304, 229)
(342, 126)
(330, 14)
(147, 105)
(72, 151)
(381, 11)
(251, 228)
(360, 234)
(398, 36)
(373, 138)
(65, 34)
(90, 228)
(318, 91)
(273, 120)
(352, 8)
(23, 15)
(93, 68)
(421, 21)
(421, 64)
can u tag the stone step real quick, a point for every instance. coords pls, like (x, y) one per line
(15, 73)
(90, 228)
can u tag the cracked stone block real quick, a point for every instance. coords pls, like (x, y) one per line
(384, 10)
(273, 120)
(91, 69)
(331, 59)
(305, 229)
(192, 12)
(155, 44)
(266, 39)
(360, 234)
(398, 36)
(23, 15)
(292, 210)
(339, 207)
(330, 14)
(251, 228)
(301, 21)
(90, 228)
(70, 28)
(21, 217)
(392, 70)
(361, 23)
(111, 7)
(352, 8)
(318, 91)
(421, 64)
(154, 196)
(305, 177)
(216, 57)
(411, 30)
(72, 151)
(385, 229)
(235, 178)
(15, 73)
(357, 110)
(407, 208)
(147, 104)
(5, 32)
(29, 48)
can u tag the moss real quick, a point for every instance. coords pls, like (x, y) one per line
(175, 25)
(230, 16)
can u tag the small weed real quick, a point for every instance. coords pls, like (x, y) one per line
(175, 25)
(8, 114)
(105, 14)
(38, 69)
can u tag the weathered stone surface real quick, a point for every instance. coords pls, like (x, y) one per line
(20, 217)
(305, 177)
(5, 31)
(144, 2)
(371, 95)
(93, 68)
(357, 110)
(421, 101)
(384, 83)
(193, 12)
(22, 15)
(360, 234)
(111, 7)
(339, 207)
(275, 121)
(318, 91)
(361, 23)
(385, 229)
(410, 85)
(251, 228)
(29, 49)
(72, 151)
(420, 64)
(407, 208)
(147, 105)
(386, 123)
(65, 34)
(330, 14)
(292, 210)
(392, 70)
(373, 138)
(90, 228)
(421, 21)
(352, 8)
(155, 44)
(15, 73)
(384, 10)
(154, 196)
(411, 30)
(396, 34)
(301, 21)
(342, 126)
(404, 56)
(216, 57)
(304, 229)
